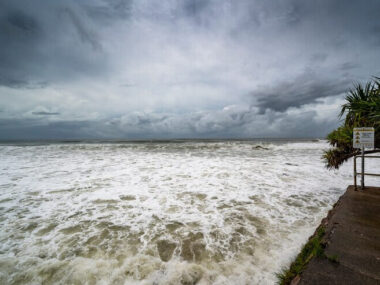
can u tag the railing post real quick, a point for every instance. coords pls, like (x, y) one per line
(362, 182)
(355, 174)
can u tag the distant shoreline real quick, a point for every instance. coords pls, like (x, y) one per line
(180, 140)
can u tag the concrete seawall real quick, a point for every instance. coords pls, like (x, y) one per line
(352, 236)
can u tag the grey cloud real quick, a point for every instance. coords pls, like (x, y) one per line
(127, 85)
(349, 65)
(199, 124)
(21, 84)
(232, 123)
(15, 129)
(85, 34)
(110, 10)
(319, 57)
(302, 90)
(36, 46)
(294, 14)
(46, 113)
(375, 32)
(227, 123)
(195, 8)
(23, 21)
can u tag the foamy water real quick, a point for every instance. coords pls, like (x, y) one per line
(160, 213)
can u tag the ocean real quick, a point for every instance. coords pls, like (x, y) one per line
(161, 212)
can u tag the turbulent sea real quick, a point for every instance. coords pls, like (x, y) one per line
(222, 212)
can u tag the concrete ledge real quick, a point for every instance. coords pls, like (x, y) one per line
(353, 236)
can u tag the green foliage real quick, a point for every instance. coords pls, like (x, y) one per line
(361, 105)
(362, 109)
(341, 137)
(312, 248)
(341, 140)
(335, 157)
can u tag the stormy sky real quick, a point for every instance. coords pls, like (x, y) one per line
(181, 68)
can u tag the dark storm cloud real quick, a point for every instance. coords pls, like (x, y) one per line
(22, 21)
(45, 41)
(302, 90)
(19, 33)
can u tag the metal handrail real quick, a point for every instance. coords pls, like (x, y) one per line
(356, 173)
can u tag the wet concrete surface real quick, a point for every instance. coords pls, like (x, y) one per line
(353, 238)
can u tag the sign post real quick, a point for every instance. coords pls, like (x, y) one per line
(362, 180)
(363, 138)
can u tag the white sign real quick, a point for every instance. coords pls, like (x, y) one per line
(364, 137)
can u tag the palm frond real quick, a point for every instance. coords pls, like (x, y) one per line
(362, 109)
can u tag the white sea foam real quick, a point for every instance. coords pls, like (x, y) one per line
(160, 213)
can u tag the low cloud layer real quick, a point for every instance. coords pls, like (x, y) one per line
(171, 69)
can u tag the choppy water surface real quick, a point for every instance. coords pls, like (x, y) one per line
(160, 213)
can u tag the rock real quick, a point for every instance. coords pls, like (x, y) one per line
(260, 147)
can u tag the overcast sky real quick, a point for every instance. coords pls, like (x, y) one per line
(181, 68)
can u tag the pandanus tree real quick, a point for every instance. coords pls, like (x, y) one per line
(362, 109)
